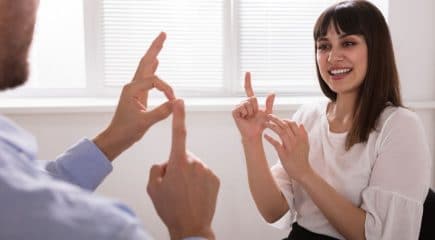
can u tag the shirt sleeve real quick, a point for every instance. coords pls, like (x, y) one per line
(83, 165)
(399, 180)
(36, 206)
(285, 185)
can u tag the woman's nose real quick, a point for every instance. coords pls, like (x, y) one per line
(334, 56)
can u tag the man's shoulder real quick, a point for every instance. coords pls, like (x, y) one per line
(15, 137)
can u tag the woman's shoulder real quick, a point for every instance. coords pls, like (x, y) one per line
(402, 145)
(401, 126)
(397, 117)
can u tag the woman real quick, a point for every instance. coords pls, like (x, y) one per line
(355, 167)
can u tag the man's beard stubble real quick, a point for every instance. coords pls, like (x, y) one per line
(15, 39)
(14, 71)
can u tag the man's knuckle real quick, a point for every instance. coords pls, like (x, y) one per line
(126, 87)
(150, 189)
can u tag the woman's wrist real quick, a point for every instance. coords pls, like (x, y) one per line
(305, 178)
(177, 234)
(252, 140)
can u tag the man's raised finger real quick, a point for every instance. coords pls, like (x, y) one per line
(150, 82)
(155, 47)
(148, 64)
(165, 88)
(178, 149)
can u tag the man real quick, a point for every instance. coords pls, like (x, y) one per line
(54, 200)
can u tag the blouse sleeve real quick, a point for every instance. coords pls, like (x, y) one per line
(285, 185)
(284, 182)
(399, 180)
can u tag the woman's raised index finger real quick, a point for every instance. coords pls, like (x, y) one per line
(248, 86)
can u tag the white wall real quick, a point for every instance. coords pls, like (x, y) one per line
(219, 147)
(413, 31)
(214, 138)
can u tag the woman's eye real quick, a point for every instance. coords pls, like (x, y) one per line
(348, 44)
(322, 47)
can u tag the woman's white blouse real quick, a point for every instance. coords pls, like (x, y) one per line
(388, 176)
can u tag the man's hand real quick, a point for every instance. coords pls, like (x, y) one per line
(132, 117)
(183, 189)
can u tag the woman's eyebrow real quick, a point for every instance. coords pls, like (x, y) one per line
(345, 35)
(322, 39)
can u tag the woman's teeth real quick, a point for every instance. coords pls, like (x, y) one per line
(340, 71)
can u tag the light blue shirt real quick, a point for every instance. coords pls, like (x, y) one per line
(54, 199)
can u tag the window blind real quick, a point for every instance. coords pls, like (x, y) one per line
(212, 43)
(192, 57)
(276, 42)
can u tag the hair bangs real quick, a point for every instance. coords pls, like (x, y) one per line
(344, 17)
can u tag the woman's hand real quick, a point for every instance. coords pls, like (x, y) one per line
(249, 118)
(293, 148)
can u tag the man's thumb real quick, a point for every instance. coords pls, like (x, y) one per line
(157, 172)
(159, 113)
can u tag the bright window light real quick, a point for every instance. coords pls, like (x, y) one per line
(57, 57)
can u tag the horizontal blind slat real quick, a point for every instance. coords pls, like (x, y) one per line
(275, 41)
(193, 50)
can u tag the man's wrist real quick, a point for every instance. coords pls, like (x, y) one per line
(107, 144)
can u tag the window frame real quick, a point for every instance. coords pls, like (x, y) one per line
(94, 60)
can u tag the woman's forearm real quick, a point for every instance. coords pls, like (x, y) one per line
(267, 196)
(347, 219)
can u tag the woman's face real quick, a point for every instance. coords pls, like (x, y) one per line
(342, 61)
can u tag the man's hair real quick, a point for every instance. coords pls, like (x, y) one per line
(380, 86)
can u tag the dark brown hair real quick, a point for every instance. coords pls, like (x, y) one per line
(17, 22)
(380, 86)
